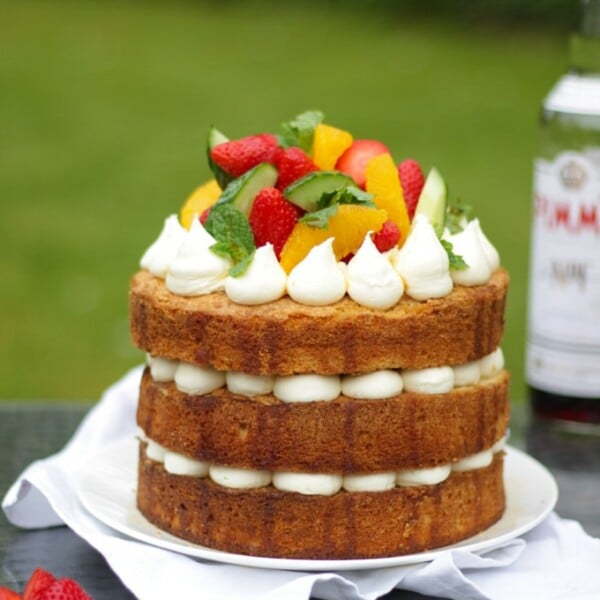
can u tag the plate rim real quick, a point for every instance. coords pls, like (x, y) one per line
(162, 539)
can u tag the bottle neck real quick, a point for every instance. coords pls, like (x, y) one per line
(584, 49)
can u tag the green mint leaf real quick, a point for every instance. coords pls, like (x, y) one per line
(300, 130)
(345, 195)
(329, 201)
(240, 267)
(457, 262)
(235, 240)
(457, 215)
(319, 219)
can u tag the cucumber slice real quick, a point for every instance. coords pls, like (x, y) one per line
(215, 137)
(432, 201)
(306, 192)
(242, 191)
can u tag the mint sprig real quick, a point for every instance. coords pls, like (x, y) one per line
(349, 194)
(319, 219)
(328, 203)
(235, 240)
(457, 214)
(300, 130)
(457, 262)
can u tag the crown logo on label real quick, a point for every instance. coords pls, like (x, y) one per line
(573, 175)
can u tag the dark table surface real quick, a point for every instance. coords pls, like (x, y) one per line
(30, 430)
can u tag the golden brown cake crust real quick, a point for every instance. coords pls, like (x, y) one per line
(285, 337)
(269, 522)
(345, 435)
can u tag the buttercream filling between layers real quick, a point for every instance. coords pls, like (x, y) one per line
(323, 484)
(194, 379)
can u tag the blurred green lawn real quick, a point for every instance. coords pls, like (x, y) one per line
(104, 109)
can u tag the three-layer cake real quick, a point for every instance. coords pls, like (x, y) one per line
(296, 405)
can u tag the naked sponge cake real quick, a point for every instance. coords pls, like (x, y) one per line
(324, 376)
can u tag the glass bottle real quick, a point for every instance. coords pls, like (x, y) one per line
(563, 342)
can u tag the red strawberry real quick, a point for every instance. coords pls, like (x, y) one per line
(64, 589)
(6, 594)
(292, 163)
(354, 160)
(238, 156)
(412, 181)
(387, 237)
(38, 582)
(204, 215)
(272, 218)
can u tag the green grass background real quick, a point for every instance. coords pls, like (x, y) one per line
(104, 109)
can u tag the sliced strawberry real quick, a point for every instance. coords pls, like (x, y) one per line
(238, 156)
(354, 160)
(387, 237)
(412, 181)
(292, 163)
(6, 594)
(38, 582)
(272, 218)
(64, 589)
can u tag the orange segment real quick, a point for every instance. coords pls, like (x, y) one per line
(198, 201)
(383, 181)
(348, 226)
(329, 144)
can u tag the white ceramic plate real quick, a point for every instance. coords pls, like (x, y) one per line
(107, 491)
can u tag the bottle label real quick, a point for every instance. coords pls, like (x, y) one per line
(563, 346)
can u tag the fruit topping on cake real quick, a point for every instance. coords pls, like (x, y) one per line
(291, 192)
(412, 181)
(272, 218)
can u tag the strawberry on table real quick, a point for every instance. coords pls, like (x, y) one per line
(272, 218)
(238, 156)
(38, 582)
(412, 181)
(7, 594)
(64, 589)
(354, 160)
(292, 164)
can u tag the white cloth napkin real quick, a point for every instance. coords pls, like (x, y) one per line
(555, 560)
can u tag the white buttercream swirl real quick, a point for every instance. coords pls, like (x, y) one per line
(249, 385)
(307, 388)
(378, 384)
(479, 460)
(321, 484)
(155, 451)
(372, 482)
(468, 244)
(161, 369)
(163, 250)
(372, 281)
(491, 364)
(423, 263)
(194, 379)
(427, 476)
(467, 374)
(196, 270)
(178, 464)
(317, 280)
(490, 252)
(433, 380)
(239, 479)
(263, 281)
